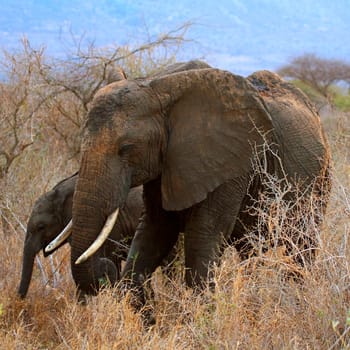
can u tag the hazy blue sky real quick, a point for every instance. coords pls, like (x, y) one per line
(239, 35)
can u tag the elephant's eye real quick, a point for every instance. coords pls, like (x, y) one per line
(41, 227)
(125, 148)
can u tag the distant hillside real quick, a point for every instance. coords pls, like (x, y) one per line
(239, 35)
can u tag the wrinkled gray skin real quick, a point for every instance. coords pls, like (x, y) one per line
(189, 138)
(51, 213)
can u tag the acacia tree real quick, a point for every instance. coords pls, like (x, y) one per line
(318, 73)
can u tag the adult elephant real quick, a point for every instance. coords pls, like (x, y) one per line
(52, 211)
(190, 138)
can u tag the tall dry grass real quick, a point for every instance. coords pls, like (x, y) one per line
(254, 305)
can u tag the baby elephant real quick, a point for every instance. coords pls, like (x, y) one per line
(51, 213)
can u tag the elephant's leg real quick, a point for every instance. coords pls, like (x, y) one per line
(246, 222)
(169, 263)
(154, 239)
(208, 225)
(240, 234)
(155, 236)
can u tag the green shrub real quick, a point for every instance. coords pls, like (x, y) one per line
(341, 99)
(342, 102)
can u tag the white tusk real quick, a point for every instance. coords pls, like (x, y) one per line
(101, 237)
(67, 231)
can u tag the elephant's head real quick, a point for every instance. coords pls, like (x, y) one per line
(194, 130)
(51, 213)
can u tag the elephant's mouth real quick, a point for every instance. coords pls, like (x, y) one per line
(101, 238)
(96, 245)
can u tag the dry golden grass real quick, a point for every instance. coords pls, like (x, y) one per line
(254, 305)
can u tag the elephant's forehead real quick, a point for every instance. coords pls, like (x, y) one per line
(43, 212)
(116, 103)
(103, 139)
(104, 119)
(41, 218)
(42, 206)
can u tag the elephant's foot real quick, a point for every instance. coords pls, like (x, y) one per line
(135, 293)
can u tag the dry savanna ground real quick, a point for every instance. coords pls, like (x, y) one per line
(254, 305)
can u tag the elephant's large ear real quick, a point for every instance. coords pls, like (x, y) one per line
(215, 119)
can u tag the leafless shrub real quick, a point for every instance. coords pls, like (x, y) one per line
(288, 213)
(21, 98)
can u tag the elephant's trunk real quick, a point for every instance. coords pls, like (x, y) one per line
(89, 274)
(94, 200)
(101, 239)
(85, 274)
(29, 254)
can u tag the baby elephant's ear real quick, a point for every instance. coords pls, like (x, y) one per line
(55, 201)
(213, 128)
(62, 197)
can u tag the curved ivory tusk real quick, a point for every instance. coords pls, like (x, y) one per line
(67, 231)
(100, 239)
